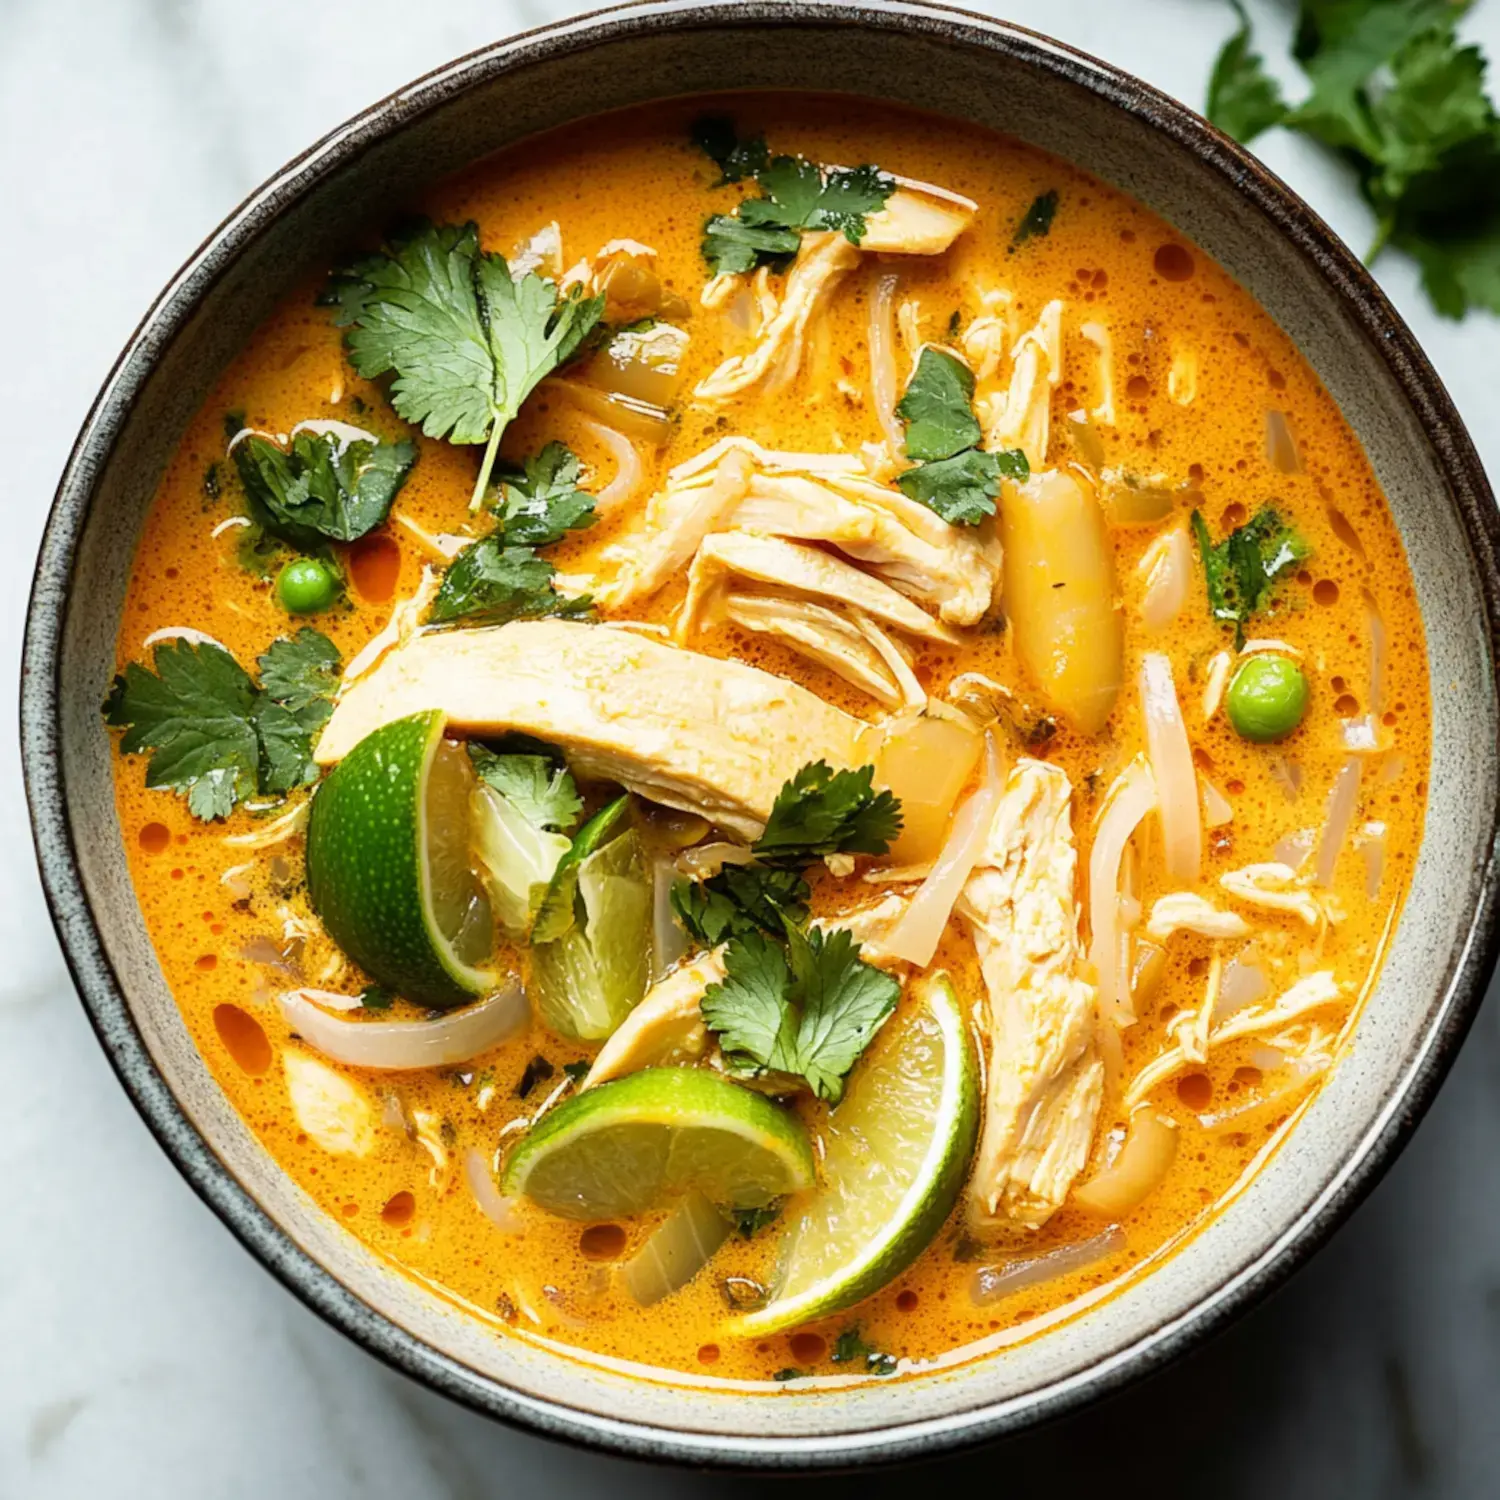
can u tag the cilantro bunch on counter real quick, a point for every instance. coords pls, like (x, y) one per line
(214, 735)
(501, 577)
(797, 195)
(463, 339)
(794, 999)
(1396, 94)
(953, 476)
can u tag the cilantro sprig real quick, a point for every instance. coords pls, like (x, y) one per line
(465, 341)
(541, 789)
(953, 475)
(797, 195)
(1397, 96)
(501, 577)
(821, 811)
(321, 489)
(1240, 570)
(214, 735)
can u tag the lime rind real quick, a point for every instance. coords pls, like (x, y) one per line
(927, 1198)
(626, 1147)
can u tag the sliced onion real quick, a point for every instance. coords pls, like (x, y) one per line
(630, 472)
(1147, 1156)
(1287, 774)
(277, 831)
(1372, 842)
(991, 1283)
(1217, 808)
(328, 999)
(1281, 446)
(637, 419)
(676, 1250)
(1293, 849)
(1342, 802)
(1375, 624)
(493, 1204)
(1167, 569)
(668, 941)
(1086, 439)
(183, 633)
(883, 377)
(1360, 735)
(391, 1046)
(275, 953)
(1244, 983)
(706, 860)
(1172, 766)
(1131, 797)
(916, 936)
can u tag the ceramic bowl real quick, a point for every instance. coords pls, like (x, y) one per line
(972, 69)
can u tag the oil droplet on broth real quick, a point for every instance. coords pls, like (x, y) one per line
(374, 566)
(155, 837)
(243, 1039)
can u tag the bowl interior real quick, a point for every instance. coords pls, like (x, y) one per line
(959, 66)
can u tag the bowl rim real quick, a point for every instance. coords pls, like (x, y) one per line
(102, 993)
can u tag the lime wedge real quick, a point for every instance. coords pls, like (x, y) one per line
(557, 913)
(388, 864)
(896, 1150)
(625, 1147)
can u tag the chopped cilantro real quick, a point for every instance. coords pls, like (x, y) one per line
(1394, 92)
(212, 487)
(543, 502)
(714, 135)
(541, 789)
(214, 736)
(376, 997)
(796, 195)
(465, 340)
(790, 1373)
(1036, 222)
(952, 477)
(820, 811)
(1240, 570)
(740, 899)
(849, 1348)
(809, 1009)
(748, 1222)
(538, 1070)
(321, 488)
(233, 423)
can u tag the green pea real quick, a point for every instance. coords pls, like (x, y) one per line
(1267, 698)
(306, 585)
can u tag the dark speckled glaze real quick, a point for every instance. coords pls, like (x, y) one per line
(971, 68)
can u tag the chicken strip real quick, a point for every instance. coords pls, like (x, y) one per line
(666, 1029)
(1046, 1078)
(716, 738)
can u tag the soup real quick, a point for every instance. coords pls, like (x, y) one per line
(776, 770)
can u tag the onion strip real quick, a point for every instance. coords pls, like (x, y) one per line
(1131, 797)
(1342, 802)
(1149, 1151)
(991, 1283)
(882, 338)
(630, 472)
(916, 936)
(1172, 766)
(493, 1204)
(392, 1046)
(1166, 568)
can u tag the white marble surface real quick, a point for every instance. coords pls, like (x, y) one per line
(142, 1352)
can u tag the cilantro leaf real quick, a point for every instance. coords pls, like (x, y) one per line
(321, 488)
(955, 478)
(740, 899)
(465, 341)
(736, 159)
(962, 489)
(810, 1010)
(1240, 570)
(730, 246)
(214, 736)
(1036, 222)
(821, 811)
(748, 1222)
(489, 583)
(849, 1347)
(543, 502)
(1243, 99)
(377, 997)
(938, 407)
(542, 790)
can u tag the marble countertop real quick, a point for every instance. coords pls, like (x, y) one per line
(142, 1352)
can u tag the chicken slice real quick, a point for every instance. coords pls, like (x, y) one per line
(822, 262)
(715, 738)
(666, 1029)
(871, 926)
(918, 219)
(1046, 1078)
(793, 568)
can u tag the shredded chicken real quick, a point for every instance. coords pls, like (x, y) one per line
(871, 926)
(1273, 887)
(1046, 1078)
(1308, 994)
(1182, 911)
(1099, 336)
(711, 737)
(666, 1028)
(1022, 417)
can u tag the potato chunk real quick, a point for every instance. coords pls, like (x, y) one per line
(1059, 581)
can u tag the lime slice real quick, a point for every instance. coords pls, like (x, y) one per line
(625, 1147)
(388, 864)
(896, 1150)
(556, 914)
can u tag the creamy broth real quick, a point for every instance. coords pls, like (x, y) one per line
(1197, 372)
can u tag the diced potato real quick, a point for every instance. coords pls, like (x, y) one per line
(926, 762)
(1060, 596)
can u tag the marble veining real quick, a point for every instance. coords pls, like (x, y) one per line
(142, 1353)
